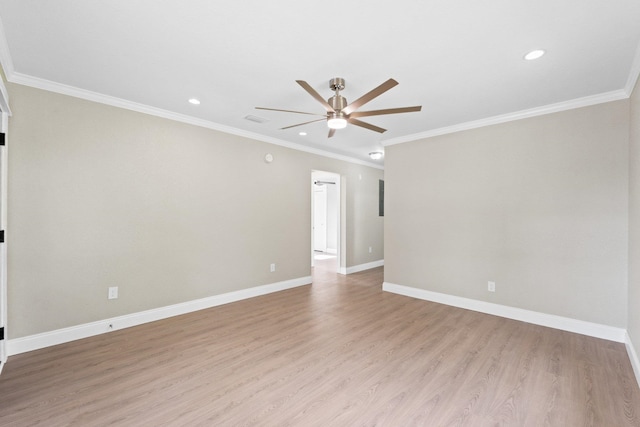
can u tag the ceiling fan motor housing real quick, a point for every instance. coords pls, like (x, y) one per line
(336, 84)
(337, 102)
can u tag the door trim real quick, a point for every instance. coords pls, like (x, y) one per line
(5, 112)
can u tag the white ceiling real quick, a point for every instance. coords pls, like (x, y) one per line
(461, 60)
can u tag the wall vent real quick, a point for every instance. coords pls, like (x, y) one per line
(256, 119)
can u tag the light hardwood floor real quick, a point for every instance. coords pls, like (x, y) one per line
(338, 353)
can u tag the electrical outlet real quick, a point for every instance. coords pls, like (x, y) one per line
(369, 249)
(273, 268)
(113, 292)
(491, 286)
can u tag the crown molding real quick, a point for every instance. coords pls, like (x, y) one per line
(586, 101)
(63, 89)
(73, 91)
(12, 76)
(4, 99)
(7, 64)
(634, 73)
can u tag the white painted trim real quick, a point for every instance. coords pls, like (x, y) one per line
(4, 159)
(543, 319)
(7, 63)
(633, 73)
(5, 55)
(63, 89)
(633, 357)
(332, 251)
(615, 95)
(4, 99)
(68, 90)
(46, 339)
(362, 267)
(4, 352)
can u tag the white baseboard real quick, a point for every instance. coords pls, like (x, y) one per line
(633, 357)
(552, 321)
(362, 267)
(59, 336)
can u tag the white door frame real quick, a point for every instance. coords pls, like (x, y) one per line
(319, 216)
(5, 113)
(341, 218)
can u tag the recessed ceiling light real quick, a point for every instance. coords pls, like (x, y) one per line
(302, 133)
(376, 155)
(194, 101)
(534, 54)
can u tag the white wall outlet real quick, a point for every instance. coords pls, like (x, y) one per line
(491, 286)
(113, 292)
(272, 268)
(369, 249)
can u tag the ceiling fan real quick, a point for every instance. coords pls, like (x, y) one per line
(339, 113)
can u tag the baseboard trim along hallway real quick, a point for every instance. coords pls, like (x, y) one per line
(549, 320)
(633, 357)
(59, 336)
(362, 267)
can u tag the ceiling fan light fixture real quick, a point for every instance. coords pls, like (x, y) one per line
(337, 122)
(339, 113)
(376, 155)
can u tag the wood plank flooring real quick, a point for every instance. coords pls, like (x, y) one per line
(338, 353)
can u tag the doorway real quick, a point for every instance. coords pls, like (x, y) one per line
(325, 220)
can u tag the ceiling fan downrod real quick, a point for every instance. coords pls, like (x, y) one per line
(337, 101)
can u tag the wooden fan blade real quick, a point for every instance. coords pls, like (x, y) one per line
(316, 95)
(365, 125)
(288, 111)
(331, 133)
(386, 111)
(305, 123)
(369, 96)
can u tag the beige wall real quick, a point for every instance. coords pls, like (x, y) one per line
(537, 205)
(168, 212)
(634, 219)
